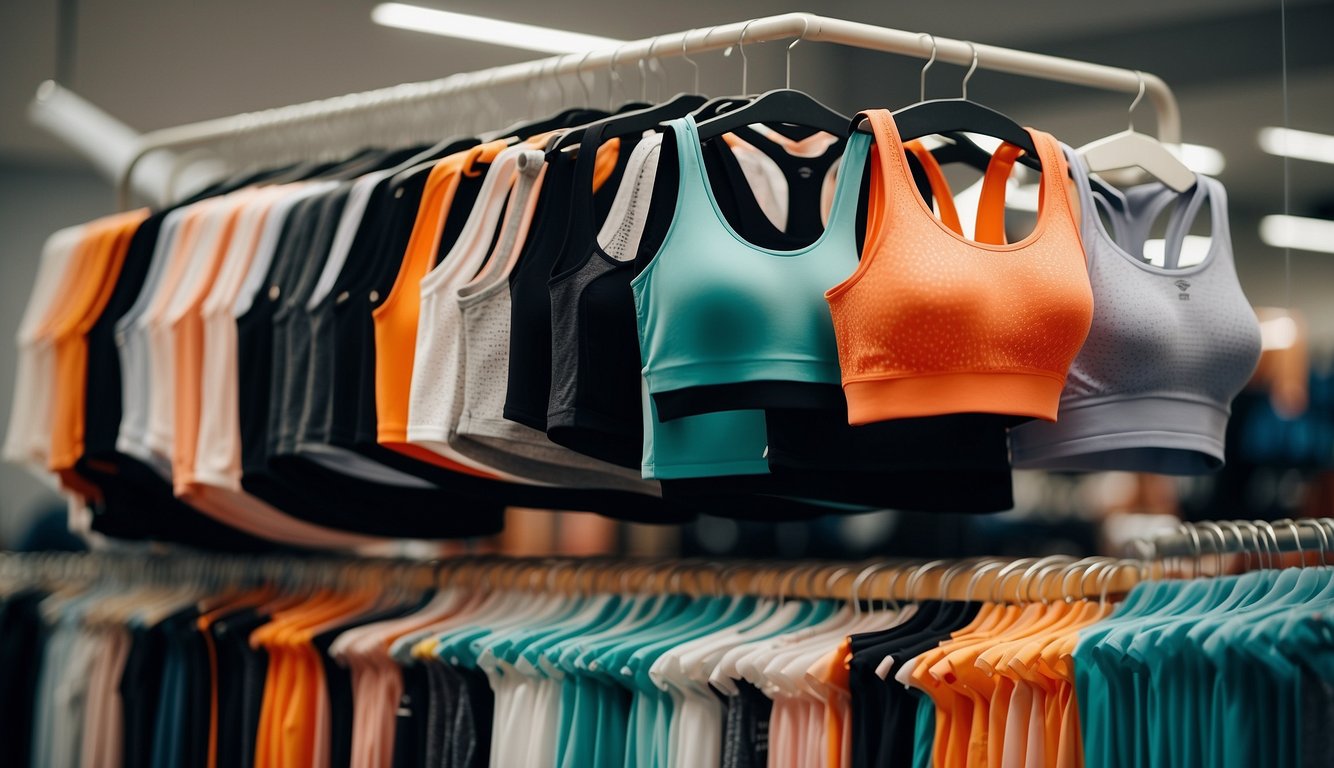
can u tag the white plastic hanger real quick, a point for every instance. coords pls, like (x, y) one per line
(1132, 149)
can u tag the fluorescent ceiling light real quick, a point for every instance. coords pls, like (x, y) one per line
(1278, 333)
(1298, 232)
(1300, 145)
(482, 29)
(1202, 159)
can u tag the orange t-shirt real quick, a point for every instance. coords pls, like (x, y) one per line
(107, 245)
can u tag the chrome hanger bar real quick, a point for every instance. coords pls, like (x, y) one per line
(1313, 535)
(801, 26)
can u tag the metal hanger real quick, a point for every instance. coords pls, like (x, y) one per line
(951, 116)
(777, 108)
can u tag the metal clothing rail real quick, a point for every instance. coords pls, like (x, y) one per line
(1315, 535)
(800, 26)
(1055, 577)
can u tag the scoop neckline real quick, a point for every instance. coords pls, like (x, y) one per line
(727, 225)
(1151, 268)
(1038, 228)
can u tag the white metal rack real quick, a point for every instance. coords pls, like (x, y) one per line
(799, 26)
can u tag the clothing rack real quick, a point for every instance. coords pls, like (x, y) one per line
(1054, 577)
(797, 26)
(883, 579)
(1022, 580)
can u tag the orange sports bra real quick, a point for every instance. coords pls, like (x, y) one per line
(932, 323)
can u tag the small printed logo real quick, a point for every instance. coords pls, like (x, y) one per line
(1183, 286)
(805, 172)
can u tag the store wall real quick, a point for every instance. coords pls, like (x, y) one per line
(34, 202)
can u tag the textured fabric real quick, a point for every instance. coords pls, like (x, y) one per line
(1169, 347)
(463, 346)
(931, 323)
(397, 319)
(435, 395)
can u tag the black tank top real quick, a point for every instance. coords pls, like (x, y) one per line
(529, 382)
(594, 404)
(302, 488)
(377, 252)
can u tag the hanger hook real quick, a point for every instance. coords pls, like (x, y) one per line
(613, 78)
(745, 62)
(929, 62)
(1296, 539)
(579, 75)
(560, 86)
(652, 61)
(689, 60)
(1271, 539)
(1130, 113)
(1322, 536)
(971, 69)
(1218, 531)
(805, 27)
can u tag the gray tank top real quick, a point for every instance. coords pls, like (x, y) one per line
(1170, 346)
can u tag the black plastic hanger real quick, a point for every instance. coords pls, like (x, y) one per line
(563, 119)
(636, 122)
(779, 109)
(961, 149)
(955, 116)
(776, 108)
(947, 116)
(719, 105)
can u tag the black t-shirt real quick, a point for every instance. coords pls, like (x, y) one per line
(746, 728)
(884, 713)
(241, 672)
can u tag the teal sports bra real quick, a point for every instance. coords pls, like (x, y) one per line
(727, 325)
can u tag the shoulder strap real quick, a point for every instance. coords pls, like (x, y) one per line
(940, 188)
(991, 204)
(1052, 200)
(692, 186)
(890, 152)
(1182, 218)
(847, 187)
(586, 171)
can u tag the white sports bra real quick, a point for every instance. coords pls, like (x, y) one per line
(1170, 346)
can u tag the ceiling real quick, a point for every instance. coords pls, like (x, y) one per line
(156, 63)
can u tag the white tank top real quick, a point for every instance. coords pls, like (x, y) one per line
(483, 432)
